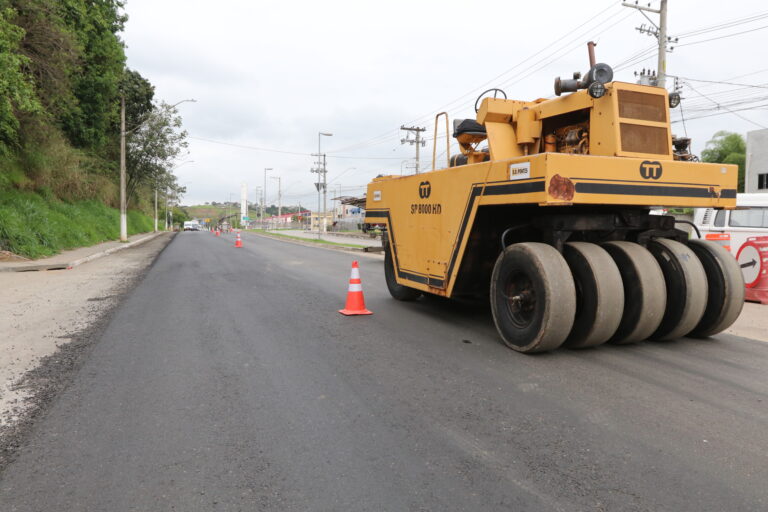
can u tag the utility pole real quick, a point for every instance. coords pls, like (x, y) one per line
(279, 197)
(166, 208)
(321, 184)
(325, 197)
(123, 205)
(660, 32)
(264, 196)
(155, 207)
(418, 141)
(243, 205)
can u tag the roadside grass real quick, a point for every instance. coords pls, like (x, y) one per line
(35, 226)
(310, 240)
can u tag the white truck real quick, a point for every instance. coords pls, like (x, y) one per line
(731, 228)
(191, 225)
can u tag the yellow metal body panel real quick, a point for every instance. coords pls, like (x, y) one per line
(430, 215)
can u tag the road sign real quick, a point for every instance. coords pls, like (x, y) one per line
(246, 218)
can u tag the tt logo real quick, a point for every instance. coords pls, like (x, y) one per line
(650, 170)
(424, 189)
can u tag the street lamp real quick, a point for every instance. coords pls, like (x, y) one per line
(123, 132)
(166, 194)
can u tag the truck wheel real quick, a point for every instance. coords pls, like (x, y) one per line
(686, 288)
(645, 293)
(533, 297)
(398, 291)
(599, 294)
(725, 297)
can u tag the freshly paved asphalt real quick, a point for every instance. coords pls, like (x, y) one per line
(228, 381)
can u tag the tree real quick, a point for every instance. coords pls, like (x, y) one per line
(138, 93)
(51, 50)
(727, 148)
(152, 150)
(95, 25)
(17, 92)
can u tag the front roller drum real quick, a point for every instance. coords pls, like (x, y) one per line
(533, 297)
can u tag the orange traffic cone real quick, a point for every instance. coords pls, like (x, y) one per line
(238, 242)
(218, 233)
(355, 300)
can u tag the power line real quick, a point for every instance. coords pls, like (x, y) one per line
(743, 86)
(724, 25)
(418, 120)
(272, 150)
(765, 105)
(722, 37)
(734, 112)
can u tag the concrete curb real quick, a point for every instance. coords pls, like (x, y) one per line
(75, 263)
(309, 243)
(113, 250)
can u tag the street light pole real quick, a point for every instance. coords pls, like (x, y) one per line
(123, 206)
(123, 196)
(155, 207)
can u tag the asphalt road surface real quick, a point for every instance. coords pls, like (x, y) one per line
(228, 381)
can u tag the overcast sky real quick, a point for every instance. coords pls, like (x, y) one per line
(271, 75)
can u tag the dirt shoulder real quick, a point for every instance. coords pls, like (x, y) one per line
(47, 323)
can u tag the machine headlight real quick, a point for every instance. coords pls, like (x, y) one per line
(674, 99)
(596, 90)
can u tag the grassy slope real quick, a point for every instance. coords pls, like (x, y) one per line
(35, 226)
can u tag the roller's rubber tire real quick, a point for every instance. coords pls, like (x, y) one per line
(533, 297)
(645, 292)
(397, 291)
(725, 298)
(686, 288)
(599, 294)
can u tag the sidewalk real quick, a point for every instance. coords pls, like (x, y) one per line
(68, 259)
(753, 322)
(330, 237)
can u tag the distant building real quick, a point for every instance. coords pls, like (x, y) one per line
(756, 175)
(295, 219)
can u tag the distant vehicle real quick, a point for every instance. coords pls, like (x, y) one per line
(191, 225)
(731, 228)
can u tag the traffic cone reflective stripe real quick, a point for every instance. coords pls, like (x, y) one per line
(355, 300)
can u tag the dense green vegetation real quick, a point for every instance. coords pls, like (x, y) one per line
(35, 227)
(727, 148)
(62, 74)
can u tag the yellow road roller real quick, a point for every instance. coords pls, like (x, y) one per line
(547, 210)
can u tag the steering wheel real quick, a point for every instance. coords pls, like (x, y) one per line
(494, 91)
